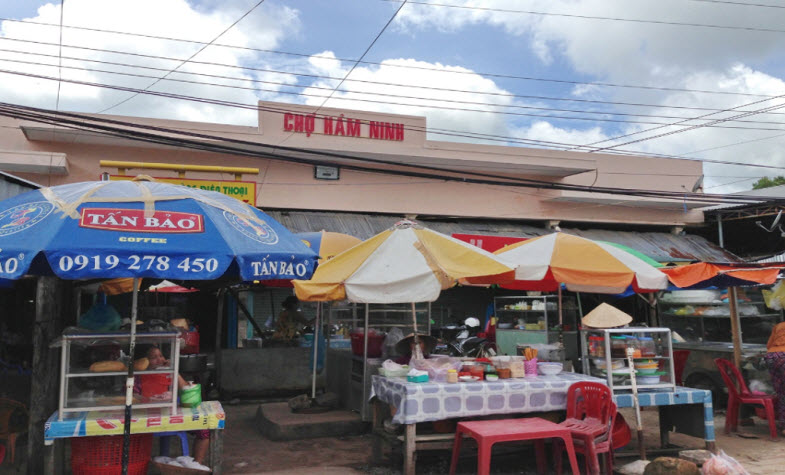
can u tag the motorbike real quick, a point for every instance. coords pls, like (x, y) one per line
(466, 343)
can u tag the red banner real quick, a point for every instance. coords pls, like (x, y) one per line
(134, 220)
(488, 243)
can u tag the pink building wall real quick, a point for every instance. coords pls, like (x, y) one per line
(284, 185)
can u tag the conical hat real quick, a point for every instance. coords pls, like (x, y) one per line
(606, 316)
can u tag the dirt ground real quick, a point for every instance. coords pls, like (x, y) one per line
(247, 451)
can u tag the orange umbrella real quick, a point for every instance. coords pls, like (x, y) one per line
(705, 274)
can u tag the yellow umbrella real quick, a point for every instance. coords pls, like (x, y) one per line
(407, 263)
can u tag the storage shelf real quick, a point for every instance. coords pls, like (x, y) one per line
(721, 316)
(88, 374)
(136, 405)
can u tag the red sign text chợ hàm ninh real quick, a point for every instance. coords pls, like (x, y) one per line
(342, 127)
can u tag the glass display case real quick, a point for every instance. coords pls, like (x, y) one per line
(604, 354)
(523, 320)
(701, 316)
(93, 371)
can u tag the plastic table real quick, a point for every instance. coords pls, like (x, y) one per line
(436, 401)
(487, 433)
(689, 410)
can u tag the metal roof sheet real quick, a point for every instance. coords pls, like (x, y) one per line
(662, 247)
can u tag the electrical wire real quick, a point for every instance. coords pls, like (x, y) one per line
(207, 142)
(409, 104)
(324, 77)
(284, 110)
(589, 17)
(395, 65)
(186, 61)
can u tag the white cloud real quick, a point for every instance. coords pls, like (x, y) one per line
(657, 55)
(408, 86)
(263, 29)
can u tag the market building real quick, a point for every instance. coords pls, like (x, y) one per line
(359, 172)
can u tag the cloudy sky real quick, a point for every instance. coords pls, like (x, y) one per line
(610, 75)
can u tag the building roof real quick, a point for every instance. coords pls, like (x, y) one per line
(11, 185)
(662, 247)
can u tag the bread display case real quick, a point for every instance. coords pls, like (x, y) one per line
(94, 368)
(604, 354)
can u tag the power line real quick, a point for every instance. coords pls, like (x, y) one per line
(283, 111)
(325, 77)
(379, 35)
(405, 104)
(391, 65)
(693, 127)
(186, 61)
(60, 54)
(589, 17)
(213, 143)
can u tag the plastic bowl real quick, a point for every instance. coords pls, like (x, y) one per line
(646, 371)
(645, 380)
(549, 368)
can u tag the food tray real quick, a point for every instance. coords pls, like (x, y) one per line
(394, 373)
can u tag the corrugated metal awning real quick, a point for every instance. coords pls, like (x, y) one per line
(662, 247)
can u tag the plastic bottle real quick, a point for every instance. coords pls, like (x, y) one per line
(452, 376)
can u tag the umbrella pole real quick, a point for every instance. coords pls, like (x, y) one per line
(417, 354)
(639, 426)
(561, 319)
(735, 325)
(316, 332)
(129, 382)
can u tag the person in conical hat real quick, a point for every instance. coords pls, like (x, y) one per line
(405, 347)
(606, 316)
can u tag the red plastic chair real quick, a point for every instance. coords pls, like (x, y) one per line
(679, 362)
(591, 415)
(13, 423)
(489, 432)
(738, 394)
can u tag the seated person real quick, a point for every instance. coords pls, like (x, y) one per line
(289, 323)
(158, 386)
(405, 347)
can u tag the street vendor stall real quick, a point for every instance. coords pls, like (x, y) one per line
(438, 401)
(141, 228)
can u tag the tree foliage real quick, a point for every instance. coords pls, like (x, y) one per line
(767, 182)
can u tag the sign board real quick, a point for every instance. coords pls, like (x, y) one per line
(488, 243)
(242, 190)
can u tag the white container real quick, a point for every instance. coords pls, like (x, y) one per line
(547, 368)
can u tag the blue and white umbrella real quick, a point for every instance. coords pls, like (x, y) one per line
(109, 229)
(142, 228)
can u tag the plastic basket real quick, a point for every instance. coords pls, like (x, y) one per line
(191, 397)
(102, 455)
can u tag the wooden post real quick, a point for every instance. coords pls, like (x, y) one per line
(735, 326)
(218, 336)
(409, 449)
(216, 450)
(49, 311)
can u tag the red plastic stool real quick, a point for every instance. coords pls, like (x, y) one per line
(487, 433)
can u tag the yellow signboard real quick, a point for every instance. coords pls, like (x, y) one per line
(242, 190)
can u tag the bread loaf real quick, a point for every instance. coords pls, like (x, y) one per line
(107, 366)
(141, 364)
